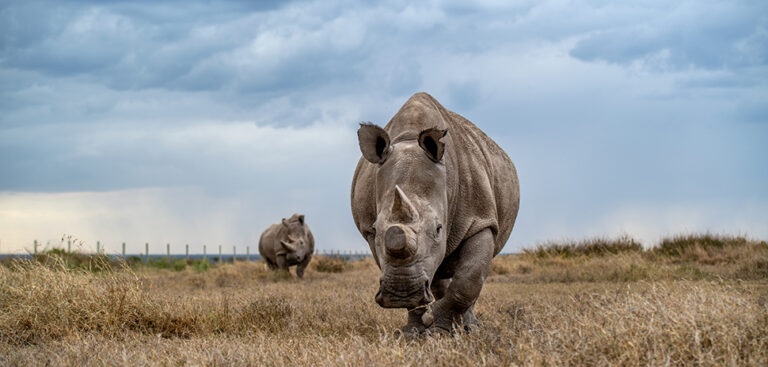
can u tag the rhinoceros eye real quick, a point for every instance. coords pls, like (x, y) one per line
(439, 227)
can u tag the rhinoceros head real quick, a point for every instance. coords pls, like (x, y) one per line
(411, 203)
(295, 245)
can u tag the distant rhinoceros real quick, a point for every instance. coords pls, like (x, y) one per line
(288, 243)
(436, 199)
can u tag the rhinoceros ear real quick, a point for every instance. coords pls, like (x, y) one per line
(285, 224)
(301, 219)
(374, 142)
(429, 140)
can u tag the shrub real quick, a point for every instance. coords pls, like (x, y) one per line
(757, 269)
(166, 263)
(499, 268)
(680, 244)
(590, 247)
(201, 265)
(325, 264)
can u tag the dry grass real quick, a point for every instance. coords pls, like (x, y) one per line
(590, 247)
(632, 308)
(329, 264)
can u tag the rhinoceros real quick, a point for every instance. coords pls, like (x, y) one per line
(436, 200)
(288, 243)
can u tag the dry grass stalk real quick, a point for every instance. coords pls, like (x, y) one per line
(584, 310)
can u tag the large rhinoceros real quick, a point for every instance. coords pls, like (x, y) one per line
(436, 199)
(288, 243)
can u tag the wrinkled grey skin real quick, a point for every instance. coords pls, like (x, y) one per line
(436, 199)
(288, 243)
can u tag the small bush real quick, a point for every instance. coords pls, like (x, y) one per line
(681, 244)
(201, 265)
(326, 264)
(633, 273)
(166, 263)
(588, 247)
(757, 269)
(499, 268)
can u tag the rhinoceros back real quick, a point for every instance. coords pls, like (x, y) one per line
(483, 186)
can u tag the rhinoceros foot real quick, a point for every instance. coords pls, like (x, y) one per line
(448, 324)
(411, 332)
(469, 320)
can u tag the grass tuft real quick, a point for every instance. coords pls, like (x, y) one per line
(679, 245)
(329, 264)
(591, 247)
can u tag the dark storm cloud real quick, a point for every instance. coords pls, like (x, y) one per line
(599, 103)
(680, 35)
(125, 45)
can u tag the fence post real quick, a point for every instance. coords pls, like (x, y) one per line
(98, 248)
(168, 251)
(248, 253)
(219, 254)
(69, 246)
(146, 252)
(187, 251)
(234, 254)
(35, 247)
(205, 257)
(123, 250)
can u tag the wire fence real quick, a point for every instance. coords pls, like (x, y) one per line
(219, 254)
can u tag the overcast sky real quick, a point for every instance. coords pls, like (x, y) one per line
(203, 122)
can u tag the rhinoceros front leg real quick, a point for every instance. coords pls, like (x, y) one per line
(282, 264)
(474, 263)
(418, 322)
(302, 266)
(415, 325)
(271, 264)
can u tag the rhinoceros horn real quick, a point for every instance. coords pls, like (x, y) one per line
(403, 210)
(398, 243)
(288, 246)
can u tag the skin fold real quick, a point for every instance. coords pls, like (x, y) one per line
(436, 199)
(288, 243)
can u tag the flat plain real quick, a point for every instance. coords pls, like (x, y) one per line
(692, 300)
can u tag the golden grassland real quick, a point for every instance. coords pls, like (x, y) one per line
(693, 302)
